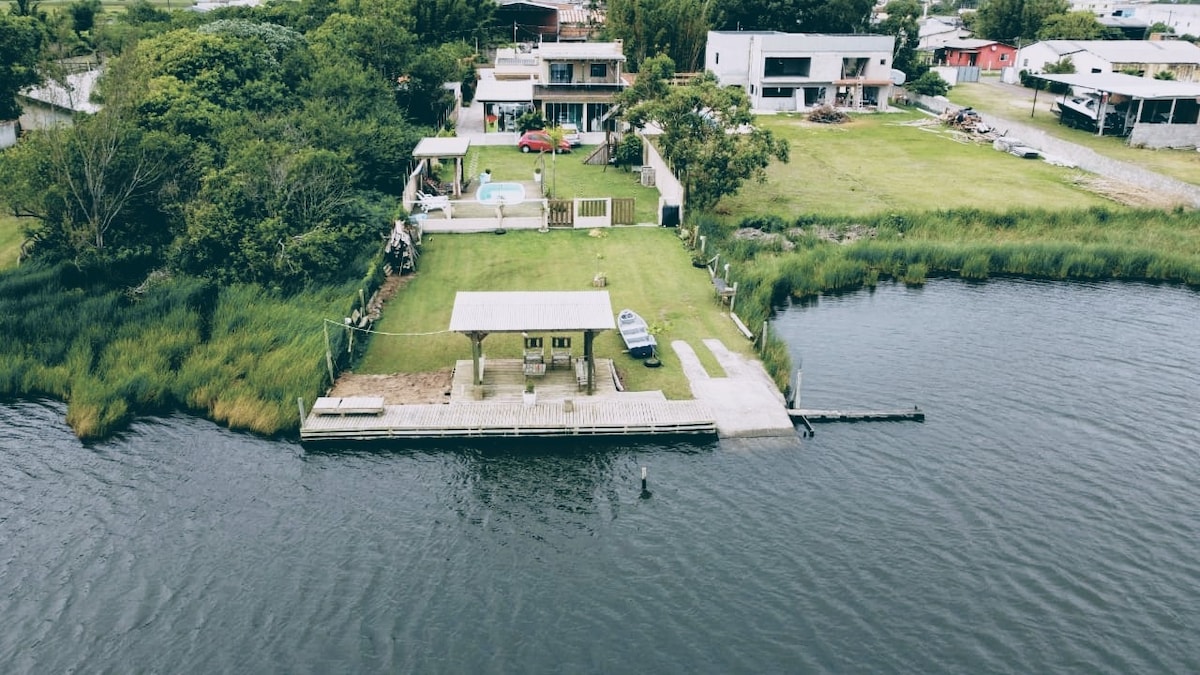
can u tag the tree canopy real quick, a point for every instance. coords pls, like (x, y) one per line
(1081, 25)
(708, 135)
(1009, 20)
(675, 28)
(901, 22)
(21, 41)
(794, 16)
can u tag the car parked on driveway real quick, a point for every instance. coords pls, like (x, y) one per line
(539, 141)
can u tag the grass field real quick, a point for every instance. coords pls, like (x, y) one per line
(566, 175)
(648, 271)
(877, 164)
(1016, 103)
(10, 241)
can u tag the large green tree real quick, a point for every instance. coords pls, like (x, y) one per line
(793, 16)
(1071, 26)
(21, 41)
(1009, 20)
(901, 22)
(676, 28)
(709, 138)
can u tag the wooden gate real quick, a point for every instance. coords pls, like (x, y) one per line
(622, 211)
(562, 213)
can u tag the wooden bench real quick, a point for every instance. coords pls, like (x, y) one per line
(581, 373)
(349, 405)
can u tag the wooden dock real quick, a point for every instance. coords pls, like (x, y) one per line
(640, 415)
(914, 414)
(495, 409)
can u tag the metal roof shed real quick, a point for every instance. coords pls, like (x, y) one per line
(444, 148)
(478, 313)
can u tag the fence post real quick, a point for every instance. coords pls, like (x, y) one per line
(328, 354)
(703, 241)
(733, 298)
(763, 345)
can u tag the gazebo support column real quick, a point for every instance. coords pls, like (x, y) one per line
(588, 355)
(476, 355)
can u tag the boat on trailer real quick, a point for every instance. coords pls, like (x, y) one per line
(636, 334)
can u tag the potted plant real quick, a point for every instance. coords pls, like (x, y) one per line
(530, 396)
(537, 175)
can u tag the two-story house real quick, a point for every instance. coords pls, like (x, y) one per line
(798, 71)
(578, 82)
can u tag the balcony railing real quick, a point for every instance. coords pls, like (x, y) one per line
(578, 88)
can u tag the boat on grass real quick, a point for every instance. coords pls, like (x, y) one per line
(636, 334)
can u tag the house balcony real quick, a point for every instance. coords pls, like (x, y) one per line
(580, 90)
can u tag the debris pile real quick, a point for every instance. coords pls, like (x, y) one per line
(965, 119)
(827, 114)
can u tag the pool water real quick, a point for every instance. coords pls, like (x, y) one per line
(500, 193)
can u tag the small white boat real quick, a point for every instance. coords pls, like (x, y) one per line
(636, 334)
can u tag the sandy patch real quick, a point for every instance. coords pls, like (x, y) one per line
(398, 388)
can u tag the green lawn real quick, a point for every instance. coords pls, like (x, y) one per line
(10, 241)
(876, 164)
(565, 175)
(648, 271)
(1016, 103)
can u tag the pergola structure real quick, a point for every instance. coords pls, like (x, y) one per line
(477, 314)
(450, 147)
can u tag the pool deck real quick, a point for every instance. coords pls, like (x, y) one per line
(744, 403)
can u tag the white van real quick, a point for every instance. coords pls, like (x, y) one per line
(571, 134)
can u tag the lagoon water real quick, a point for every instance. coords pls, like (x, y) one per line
(1046, 518)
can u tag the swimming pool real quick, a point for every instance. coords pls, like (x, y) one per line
(500, 193)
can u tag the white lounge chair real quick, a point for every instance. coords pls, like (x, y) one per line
(429, 202)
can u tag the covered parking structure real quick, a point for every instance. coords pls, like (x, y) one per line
(477, 314)
(1152, 113)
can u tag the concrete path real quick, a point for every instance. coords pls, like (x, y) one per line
(746, 401)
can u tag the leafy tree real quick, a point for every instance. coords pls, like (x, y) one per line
(1008, 20)
(531, 121)
(21, 42)
(676, 28)
(709, 138)
(1160, 27)
(901, 22)
(793, 16)
(377, 34)
(930, 84)
(1071, 26)
(441, 21)
(1064, 66)
(83, 14)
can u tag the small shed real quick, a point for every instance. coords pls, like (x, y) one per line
(442, 148)
(477, 314)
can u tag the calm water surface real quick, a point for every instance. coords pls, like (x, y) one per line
(1045, 519)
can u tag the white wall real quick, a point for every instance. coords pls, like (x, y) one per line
(8, 134)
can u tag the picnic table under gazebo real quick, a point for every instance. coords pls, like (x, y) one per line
(443, 148)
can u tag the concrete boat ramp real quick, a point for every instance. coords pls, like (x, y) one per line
(744, 403)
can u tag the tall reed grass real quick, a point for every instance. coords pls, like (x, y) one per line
(241, 355)
(1086, 244)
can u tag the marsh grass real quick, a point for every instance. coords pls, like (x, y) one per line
(241, 355)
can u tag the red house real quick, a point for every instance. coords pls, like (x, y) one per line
(985, 54)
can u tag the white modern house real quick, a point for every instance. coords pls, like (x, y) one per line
(799, 71)
(1145, 58)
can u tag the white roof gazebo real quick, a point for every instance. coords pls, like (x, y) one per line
(478, 313)
(445, 148)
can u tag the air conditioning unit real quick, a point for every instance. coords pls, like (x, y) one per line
(647, 176)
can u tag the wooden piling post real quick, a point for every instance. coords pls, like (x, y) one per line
(733, 298)
(703, 242)
(763, 344)
(300, 402)
(328, 354)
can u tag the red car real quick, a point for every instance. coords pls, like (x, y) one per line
(539, 141)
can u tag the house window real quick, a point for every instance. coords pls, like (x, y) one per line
(716, 57)
(1003, 58)
(778, 92)
(1025, 63)
(600, 70)
(786, 67)
(1096, 70)
(854, 67)
(560, 73)
(883, 62)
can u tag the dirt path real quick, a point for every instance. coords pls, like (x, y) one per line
(1120, 181)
